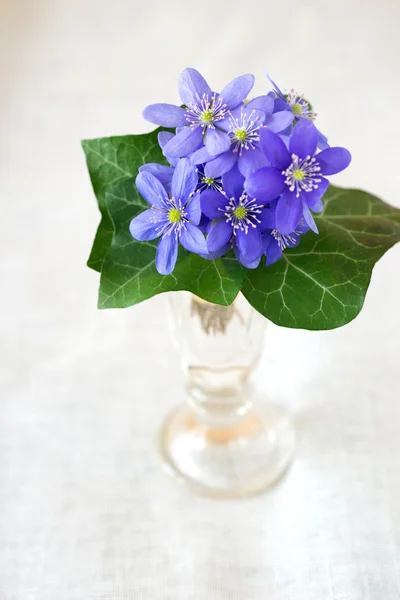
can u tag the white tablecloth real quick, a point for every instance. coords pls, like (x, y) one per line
(85, 513)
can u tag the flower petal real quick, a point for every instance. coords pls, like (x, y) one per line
(219, 235)
(285, 137)
(162, 172)
(193, 210)
(192, 239)
(151, 189)
(309, 218)
(268, 219)
(201, 156)
(249, 243)
(302, 227)
(233, 183)
(213, 203)
(281, 104)
(288, 212)
(205, 224)
(313, 198)
(249, 264)
(217, 141)
(224, 124)
(192, 86)
(166, 115)
(276, 88)
(274, 149)
(184, 142)
(265, 184)
(322, 141)
(221, 164)
(264, 103)
(164, 137)
(218, 253)
(167, 253)
(271, 248)
(250, 161)
(318, 206)
(304, 139)
(184, 180)
(143, 228)
(279, 121)
(237, 90)
(333, 160)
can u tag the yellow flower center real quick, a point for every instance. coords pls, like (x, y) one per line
(207, 116)
(240, 134)
(297, 109)
(240, 212)
(208, 180)
(174, 215)
(298, 174)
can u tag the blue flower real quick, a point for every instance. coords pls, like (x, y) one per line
(299, 106)
(296, 175)
(173, 217)
(243, 126)
(273, 242)
(164, 175)
(208, 183)
(199, 121)
(237, 221)
(300, 109)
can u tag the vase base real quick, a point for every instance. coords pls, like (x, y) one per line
(238, 461)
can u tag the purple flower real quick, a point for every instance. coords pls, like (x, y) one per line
(208, 183)
(299, 106)
(173, 216)
(239, 218)
(199, 121)
(243, 126)
(300, 109)
(297, 176)
(274, 242)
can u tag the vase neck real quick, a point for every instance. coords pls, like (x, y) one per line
(219, 347)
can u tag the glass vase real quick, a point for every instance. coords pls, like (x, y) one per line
(220, 443)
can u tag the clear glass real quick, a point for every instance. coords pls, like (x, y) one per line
(221, 443)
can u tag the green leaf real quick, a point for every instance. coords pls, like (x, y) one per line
(110, 161)
(129, 275)
(322, 283)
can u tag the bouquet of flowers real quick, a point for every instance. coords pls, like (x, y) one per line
(231, 194)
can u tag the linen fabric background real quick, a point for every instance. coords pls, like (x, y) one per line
(85, 512)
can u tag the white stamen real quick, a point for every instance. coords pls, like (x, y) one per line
(302, 108)
(308, 168)
(244, 131)
(249, 220)
(207, 112)
(160, 215)
(284, 241)
(206, 184)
